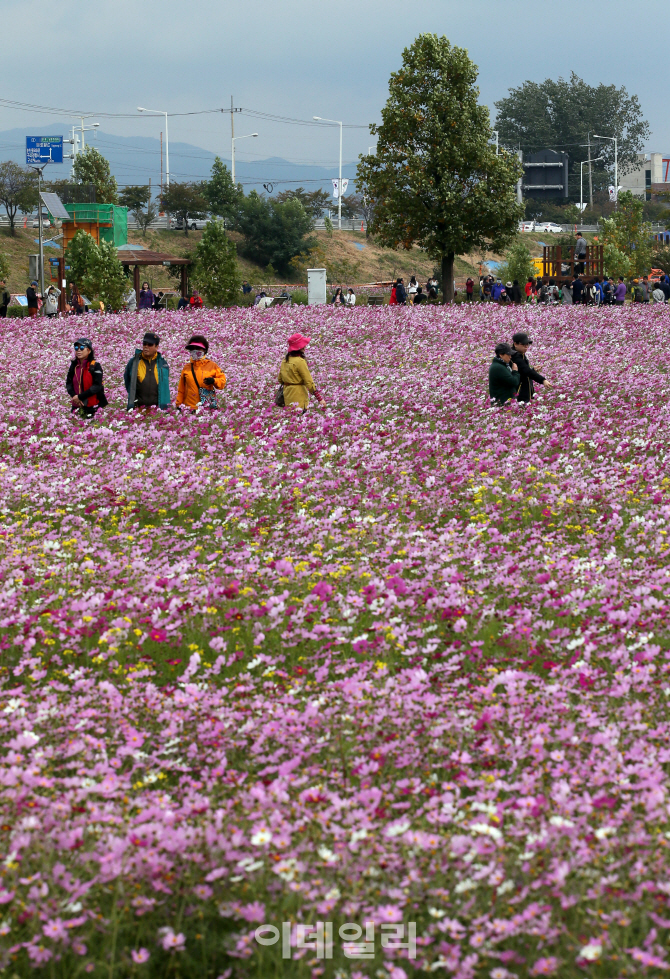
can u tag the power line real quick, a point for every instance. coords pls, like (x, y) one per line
(31, 107)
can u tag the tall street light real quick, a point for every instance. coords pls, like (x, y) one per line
(496, 134)
(616, 162)
(157, 112)
(581, 182)
(339, 183)
(232, 152)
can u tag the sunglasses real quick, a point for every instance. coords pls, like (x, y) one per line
(148, 344)
(81, 346)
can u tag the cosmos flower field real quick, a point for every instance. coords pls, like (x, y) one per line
(405, 659)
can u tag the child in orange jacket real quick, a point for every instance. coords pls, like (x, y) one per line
(200, 378)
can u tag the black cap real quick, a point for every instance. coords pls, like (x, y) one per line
(150, 337)
(85, 343)
(521, 338)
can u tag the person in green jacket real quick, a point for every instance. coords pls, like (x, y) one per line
(504, 377)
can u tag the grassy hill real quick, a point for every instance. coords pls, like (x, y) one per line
(363, 260)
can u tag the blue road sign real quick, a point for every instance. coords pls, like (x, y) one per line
(44, 149)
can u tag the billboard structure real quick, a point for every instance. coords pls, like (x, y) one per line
(545, 175)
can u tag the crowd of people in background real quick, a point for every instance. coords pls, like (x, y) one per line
(602, 290)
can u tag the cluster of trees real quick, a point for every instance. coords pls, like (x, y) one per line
(565, 114)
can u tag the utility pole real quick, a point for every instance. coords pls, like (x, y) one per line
(232, 140)
(590, 177)
(161, 164)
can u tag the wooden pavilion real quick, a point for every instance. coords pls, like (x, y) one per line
(561, 267)
(139, 257)
(129, 256)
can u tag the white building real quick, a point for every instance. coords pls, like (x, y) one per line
(651, 173)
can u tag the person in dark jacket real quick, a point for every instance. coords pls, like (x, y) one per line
(400, 293)
(183, 303)
(147, 376)
(521, 342)
(504, 377)
(516, 292)
(31, 296)
(419, 296)
(146, 297)
(577, 289)
(76, 302)
(84, 381)
(580, 254)
(5, 298)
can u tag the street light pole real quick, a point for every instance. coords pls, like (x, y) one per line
(159, 112)
(339, 184)
(581, 181)
(232, 154)
(496, 135)
(616, 165)
(39, 171)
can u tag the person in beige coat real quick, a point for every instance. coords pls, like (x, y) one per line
(295, 376)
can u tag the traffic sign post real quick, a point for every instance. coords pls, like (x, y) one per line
(40, 152)
(44, 149)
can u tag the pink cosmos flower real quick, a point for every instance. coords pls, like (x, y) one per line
(253, 912)
(55, 930)
(388, 912)
(545, 967)
(171, 942)
(140, 955)
(203, 891)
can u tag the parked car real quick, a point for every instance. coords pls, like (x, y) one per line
(46, 223)
(193, 224)
(550, 226)
(527, 226)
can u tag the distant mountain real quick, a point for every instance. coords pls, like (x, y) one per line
(137, 159)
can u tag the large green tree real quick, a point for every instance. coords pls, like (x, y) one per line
(560, 115)
(314, 201)
(626, 237)
(216, 272)
(274, 233)
(18, 190)
(435, 180)
(96, 270)
(91, 167)
(135, 197)
(185, 200)
(221, 193)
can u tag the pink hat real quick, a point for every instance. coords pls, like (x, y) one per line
(297, 342)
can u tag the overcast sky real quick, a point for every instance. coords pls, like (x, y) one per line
(300, 58)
